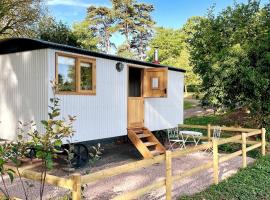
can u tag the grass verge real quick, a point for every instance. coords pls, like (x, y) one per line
(248, 184)
(188, 105)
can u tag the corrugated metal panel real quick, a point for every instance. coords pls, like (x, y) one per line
(163, 113)
(23, 90)
(102, 115)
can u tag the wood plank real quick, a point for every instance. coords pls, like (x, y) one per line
(160, 74)
(183, 152)
(248, 141)
(135, 112)
(139, 144)
(256, 132)
(152, 138)
(76, 192)
(230, 139)
(209, 132)
(223, 128)
(193, 171)
(244, 149)
(263, 141)
(137, 193)
(144, 135)
(50, 179)
(102, 174)
(168, 175)
(215, 161)
(230, 156)
(254, 146)
(150, 144)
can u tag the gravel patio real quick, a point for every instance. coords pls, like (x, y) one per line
(125, 153)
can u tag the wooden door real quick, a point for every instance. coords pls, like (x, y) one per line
(135, 112)
(155, 82)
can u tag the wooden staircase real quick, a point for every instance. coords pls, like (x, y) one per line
(145, 141)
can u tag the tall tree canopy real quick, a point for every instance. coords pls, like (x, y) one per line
(231, 52)
(143, 30)
(18, 16)
(125, 13)
(101, 21)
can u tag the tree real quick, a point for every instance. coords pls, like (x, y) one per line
(101, 21)
(170, 42)
(125, 13)
(18, 16)
(143, 30)
(85, 36)
(49, 29)
(124, 51)
(231, 52)
(174, 51)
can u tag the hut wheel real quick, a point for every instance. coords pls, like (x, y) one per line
(80, 156)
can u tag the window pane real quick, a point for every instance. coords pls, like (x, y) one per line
(66, 74)
(86, 76)
(155, 83)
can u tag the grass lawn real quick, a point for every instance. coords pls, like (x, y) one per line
(188, 105)
(248, 184)
(204, 120)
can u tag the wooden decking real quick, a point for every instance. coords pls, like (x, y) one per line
(145, 141)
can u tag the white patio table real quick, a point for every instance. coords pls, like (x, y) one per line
(196, 136)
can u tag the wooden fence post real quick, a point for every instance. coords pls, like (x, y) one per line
(168, 175)
(76, 192)
(215, 160)
(209, 131)
(244, 149)
(263, 141)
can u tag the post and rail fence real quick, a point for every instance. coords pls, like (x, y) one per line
(75, 181)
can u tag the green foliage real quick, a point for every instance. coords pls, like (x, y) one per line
(85, 36)
(173, 50)
(18, 16)
(230, 52)
(46, 144)
(188, 105)
(204, 120)
(250, 183)
(49, 29)
(101, 21)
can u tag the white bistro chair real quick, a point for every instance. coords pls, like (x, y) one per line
(175, 137)
(216, 135)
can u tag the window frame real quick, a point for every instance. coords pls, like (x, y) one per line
(78, 60)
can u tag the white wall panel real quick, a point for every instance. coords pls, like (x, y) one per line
(163, 113)
(102, 115)
(23, 90)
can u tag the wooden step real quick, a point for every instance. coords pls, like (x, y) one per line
(145, 141)
(143, 135)
(156, 152)
(150, 144)
(138, 131)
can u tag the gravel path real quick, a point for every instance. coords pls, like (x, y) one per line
(111, 187)
(197, 111)
(114, 186)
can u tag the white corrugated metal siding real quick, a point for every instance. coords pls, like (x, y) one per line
(163, 113)
(23, 90)
(102, 115)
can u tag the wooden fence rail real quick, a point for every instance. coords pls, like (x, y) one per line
(75, 182)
